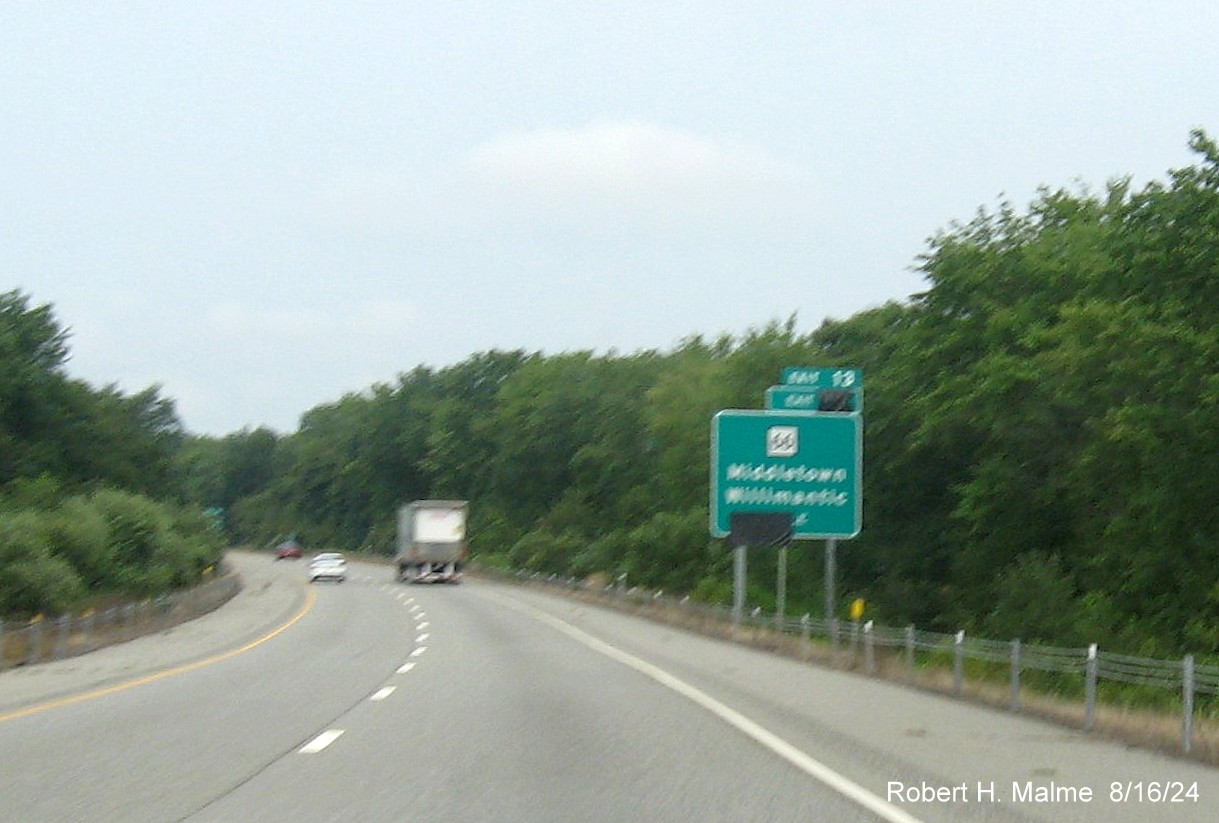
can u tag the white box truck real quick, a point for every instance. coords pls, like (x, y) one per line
(432, 541)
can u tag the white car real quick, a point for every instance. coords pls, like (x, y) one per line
(328, 566)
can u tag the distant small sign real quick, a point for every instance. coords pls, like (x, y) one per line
(792, 398)
(823, 378)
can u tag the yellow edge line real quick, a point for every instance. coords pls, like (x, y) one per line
(38, 708)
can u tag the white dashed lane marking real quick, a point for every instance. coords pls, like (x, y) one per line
(321, 741)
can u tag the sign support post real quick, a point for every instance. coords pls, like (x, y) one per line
(831, 571)
(755, 529)
(738, 585)
(781, 589)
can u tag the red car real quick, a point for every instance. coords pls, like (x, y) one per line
(289, 549)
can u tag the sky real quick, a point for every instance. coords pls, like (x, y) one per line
(263, 206)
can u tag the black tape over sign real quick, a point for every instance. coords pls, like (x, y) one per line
(760, 529)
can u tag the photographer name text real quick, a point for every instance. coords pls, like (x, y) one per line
(1044, 793)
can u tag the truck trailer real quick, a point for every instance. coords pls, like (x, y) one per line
(431, 541)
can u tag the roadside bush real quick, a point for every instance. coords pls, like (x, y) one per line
(713, 591)
(153, 547)
(135, 525)
(541, 551)
(493, 561)
(671, 551)
(111, 542)
(1034, 600)
(42, 492)
(78, 533)
(605, 554)
(32, 579)
(490, 532)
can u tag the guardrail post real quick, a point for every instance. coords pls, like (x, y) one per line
(854, 638)
(1090, 674)
(804, 632)
(834, 633)
(958, 663)
(1015, 702)
(63, 627)
(1187, 695)
(910, 652)
(34, 632)
(1, 642)
(869, 649)
(89, 618)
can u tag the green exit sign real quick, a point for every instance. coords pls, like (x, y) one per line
(823, 378)
(818, 389)
(792, 398)
(798, 463)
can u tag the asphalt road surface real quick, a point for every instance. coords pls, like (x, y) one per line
(375, 701)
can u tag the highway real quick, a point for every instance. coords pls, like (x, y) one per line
(376, 701)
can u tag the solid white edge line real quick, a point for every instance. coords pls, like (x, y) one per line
(321, 741)
(806, 763)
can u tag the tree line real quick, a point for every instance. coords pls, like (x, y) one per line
(87, 477)
(1037, 438)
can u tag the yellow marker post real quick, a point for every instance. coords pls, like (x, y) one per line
(857, 607)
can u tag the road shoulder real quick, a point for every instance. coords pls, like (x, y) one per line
(267, 598)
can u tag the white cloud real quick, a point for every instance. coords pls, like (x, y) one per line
(633, 171)
(627, 175)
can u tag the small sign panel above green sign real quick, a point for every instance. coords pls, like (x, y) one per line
(823, 378)
(792, 398)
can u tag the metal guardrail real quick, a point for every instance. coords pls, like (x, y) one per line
(54, 638)
(1185, 677)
